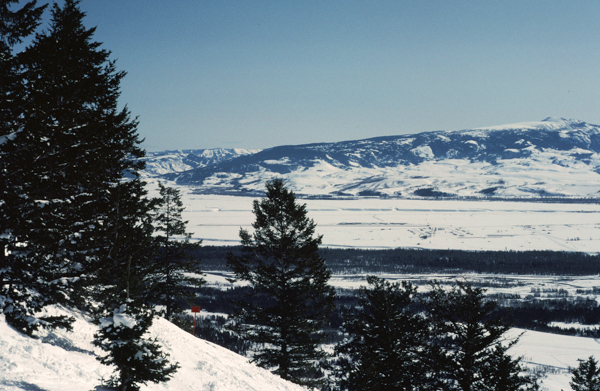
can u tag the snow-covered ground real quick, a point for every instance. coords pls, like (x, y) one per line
(433, 224)
(523, 285)
(66, 361)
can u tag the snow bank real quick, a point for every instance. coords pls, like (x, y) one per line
(66, 361)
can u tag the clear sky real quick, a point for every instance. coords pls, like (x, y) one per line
(262, 73)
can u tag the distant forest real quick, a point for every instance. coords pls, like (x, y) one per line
(402, 260)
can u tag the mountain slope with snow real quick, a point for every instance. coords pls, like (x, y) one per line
(164, 162)
(66, 361)
(549, 158)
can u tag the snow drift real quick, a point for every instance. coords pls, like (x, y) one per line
(66, 361)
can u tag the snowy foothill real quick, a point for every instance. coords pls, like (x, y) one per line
(60, 360)
(554, 158)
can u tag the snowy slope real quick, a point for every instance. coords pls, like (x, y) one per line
(159, 163)
(65, 361)
(549, 158)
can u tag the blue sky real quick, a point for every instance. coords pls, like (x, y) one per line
(256, 74)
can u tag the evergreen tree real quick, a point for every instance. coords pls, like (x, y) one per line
(586, 377)
(169, 280)
(121, 268)
(469, 354)
(138, 358)
(73, 184)
(383, 349)
(15, 26)
(32, 264)
(76, 219)
(292, 299)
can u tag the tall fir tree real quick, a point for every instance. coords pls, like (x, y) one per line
(173, 272)
(30, 277)
(87, 211)
(285, 316)
(76, 160)
(385, 341)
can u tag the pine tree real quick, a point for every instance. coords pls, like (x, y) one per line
(138, 358)
(74, 184)
(292, 300)
(76, 217)
(169, 279)
(32, 265)
(469, 353)
(586, 377)
(384, 343)
(15, 26)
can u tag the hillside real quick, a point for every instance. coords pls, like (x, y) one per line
(549, 158)
(65, 361)
(165, 162)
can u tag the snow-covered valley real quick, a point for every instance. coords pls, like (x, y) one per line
(435, 224)
(66, 361)
(359, 198)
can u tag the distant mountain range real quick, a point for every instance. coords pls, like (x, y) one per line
(170, 162)
(555, 157)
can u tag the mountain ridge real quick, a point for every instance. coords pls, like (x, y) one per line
(172, 161)
(555, 157)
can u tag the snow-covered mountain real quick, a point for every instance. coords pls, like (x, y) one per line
(555, 157)
(164, 162)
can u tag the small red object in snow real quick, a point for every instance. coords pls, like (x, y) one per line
(195, 310)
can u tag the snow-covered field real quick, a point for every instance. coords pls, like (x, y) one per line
(522, 285)
(434, 224)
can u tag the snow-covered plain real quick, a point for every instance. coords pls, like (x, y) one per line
(432, 224)
(441, 224)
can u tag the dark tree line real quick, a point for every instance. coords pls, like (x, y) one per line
(402, 260)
